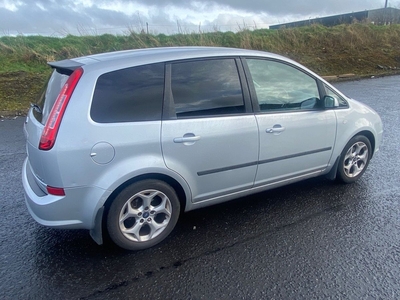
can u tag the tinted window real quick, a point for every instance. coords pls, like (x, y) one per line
(281, 87)
(210, 87)
(128, 95)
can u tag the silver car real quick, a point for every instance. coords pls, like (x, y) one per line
(129, 140)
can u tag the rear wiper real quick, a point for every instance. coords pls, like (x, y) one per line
(36, 107)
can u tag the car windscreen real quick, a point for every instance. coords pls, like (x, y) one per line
(48, 96)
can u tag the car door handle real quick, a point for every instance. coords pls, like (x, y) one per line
(187, 139)
(275, 129)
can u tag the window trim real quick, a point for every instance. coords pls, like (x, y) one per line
(326, 87)
(169, 104)
(253, 93)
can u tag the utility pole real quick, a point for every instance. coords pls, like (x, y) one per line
(386, 3)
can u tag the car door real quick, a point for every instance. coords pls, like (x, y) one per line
(296, 133)
(209, 134)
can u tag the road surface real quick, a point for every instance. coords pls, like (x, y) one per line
(313, 239)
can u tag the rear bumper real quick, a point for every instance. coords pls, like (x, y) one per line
(76, 210)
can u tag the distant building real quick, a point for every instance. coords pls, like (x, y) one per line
(382, 16)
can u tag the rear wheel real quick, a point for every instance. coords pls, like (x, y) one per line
(143, 214)
(354, 159)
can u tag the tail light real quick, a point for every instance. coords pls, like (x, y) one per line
(55, 191)
(50, 130)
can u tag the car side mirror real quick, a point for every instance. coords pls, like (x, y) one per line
(330, 102)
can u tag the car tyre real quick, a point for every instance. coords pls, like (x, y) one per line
(354, 159)
(143, 214)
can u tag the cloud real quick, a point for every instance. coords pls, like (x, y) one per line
(49, 17)
(273, 7)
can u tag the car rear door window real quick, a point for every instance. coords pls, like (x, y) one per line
(279, 86)
(206, 87)
(129, 95)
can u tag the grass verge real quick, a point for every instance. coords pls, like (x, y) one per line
(362, 49)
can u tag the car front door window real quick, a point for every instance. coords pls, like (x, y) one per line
(282, 87)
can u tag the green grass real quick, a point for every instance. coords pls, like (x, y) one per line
(356, 48)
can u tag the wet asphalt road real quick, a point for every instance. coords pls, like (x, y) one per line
(313, 239)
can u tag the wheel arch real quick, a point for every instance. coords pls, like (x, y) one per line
(162, 177)
(369, 135)
(100, 225)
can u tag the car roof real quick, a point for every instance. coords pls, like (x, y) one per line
(154, 55)
(174, 53)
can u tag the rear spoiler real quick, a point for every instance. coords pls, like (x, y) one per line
(66, 66)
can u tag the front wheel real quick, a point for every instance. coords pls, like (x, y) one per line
(143, 214)
(354, 159)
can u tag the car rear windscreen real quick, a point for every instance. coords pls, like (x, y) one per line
(49, 95)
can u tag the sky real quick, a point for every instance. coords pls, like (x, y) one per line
(92, 17)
